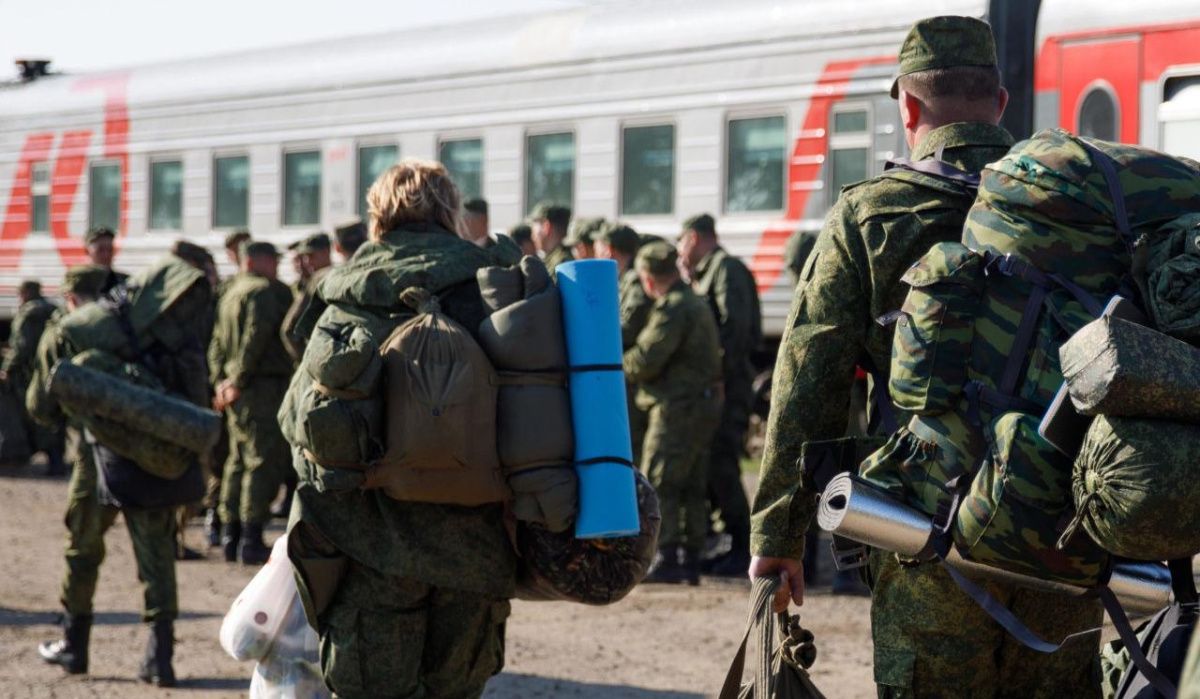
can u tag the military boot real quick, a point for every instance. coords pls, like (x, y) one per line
(252, 551)
(160, 649)
(230, 539)
(736, 562)
(667, 569)
(691, 567)
(212, 527)
(72, 651)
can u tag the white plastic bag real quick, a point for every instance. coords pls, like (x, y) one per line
(258, 613)
(292, 668)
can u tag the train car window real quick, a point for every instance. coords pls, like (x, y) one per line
(372, 162)
(1098, 114)
(166, 195)
(648, 170)
(1179, 116)
(549, 169)
(849, 146)
(754, 163)
(301, 188)
(231, 191)
(104, 195)
(464, 159)
(39, 194)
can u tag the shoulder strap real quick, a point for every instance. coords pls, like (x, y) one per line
(1109, 169)
(935, 168)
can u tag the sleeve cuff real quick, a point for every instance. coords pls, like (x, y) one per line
(777, 547)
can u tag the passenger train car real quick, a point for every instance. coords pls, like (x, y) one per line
(757, 111)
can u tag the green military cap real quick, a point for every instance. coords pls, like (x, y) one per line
(945, 42)
(259, 247)
(702, 224)
(657, 259)
(560, 216)
(236, 238)
(584, 230)
(88, 280)
(620, 237)
(476, 206)
(96, 233)
(314, 243)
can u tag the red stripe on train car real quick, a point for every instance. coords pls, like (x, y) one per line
(803, 167)
(17, 218)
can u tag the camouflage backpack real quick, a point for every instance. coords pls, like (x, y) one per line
(1051, 237)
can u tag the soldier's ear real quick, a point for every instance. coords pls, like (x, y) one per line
(1001, 103)
(910, 110)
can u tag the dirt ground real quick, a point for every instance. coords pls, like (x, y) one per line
(660, 642)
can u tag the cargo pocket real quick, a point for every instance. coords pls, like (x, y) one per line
(894, 672)
(934, 329)
(343, 433)
(1018, 505)
(341, 651)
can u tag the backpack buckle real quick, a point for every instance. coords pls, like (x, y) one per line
(851, 558)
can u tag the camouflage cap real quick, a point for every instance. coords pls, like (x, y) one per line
(317, 242)
(945, 42)
(96, 233)
(558, 215)
(259, 247)
(620, 237)
(584, 230)
(657, 259)
(88, 280)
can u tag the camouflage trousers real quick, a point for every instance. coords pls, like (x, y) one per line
(726, 494)
(152, 532)
(933, 641)
(638, 422)
(258, 455)
(387, 636)
(676, 463)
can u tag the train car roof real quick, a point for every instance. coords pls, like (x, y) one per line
(488, 47)
(1067, 17)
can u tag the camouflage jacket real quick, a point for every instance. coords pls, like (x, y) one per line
(27, 328)
(556, 257)
(246, 341)
(464, 548)
(677, 355)
(299, 321)
(874, 232)
(634, 307)
(729, 288)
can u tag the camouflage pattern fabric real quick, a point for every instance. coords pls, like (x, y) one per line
(634, 306)
(27, 327)
(556, 257)
(591, 571)
(676, 364)
(459, 548)
(388, 636)
(298, 322)
(874, 232)
(932, 641)
(1136, 489)
(1173, 278)
(1117, 368)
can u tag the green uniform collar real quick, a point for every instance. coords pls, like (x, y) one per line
(707, 261)
(959, 135)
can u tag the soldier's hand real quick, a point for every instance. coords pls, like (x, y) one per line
(3, 376)
(791, 573)
(227, 394)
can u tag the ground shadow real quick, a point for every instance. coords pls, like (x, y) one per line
(516, 685)
(26, 617)
(229, 684)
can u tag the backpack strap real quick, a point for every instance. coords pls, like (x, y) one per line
(935, 167)
(884, 414)
(1108, 168)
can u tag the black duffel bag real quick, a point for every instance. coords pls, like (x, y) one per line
(123, 483)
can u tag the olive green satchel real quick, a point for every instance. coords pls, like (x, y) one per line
(785, 652)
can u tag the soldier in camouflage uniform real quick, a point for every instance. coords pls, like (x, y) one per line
(620, 243)
(250, 369)
(930, 638)
(475, 229)
(727, 285)
(409, 598)
(349, 237)
(316, 257)
(17, 369)
(581, 238)
(550, 223)
(92, 506)
(99, 244)
(676, 364)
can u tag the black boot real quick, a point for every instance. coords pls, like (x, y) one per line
(691, 567)
(212, 527)
(666, 569)
(156, 665)
(55, 467)
(252, 551)
(72, 651)
(230, 539)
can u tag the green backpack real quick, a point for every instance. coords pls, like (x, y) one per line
(1052, 236)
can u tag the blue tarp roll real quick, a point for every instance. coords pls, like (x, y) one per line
(599, 414)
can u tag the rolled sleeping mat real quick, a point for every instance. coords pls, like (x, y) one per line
(174, 420)
(856, 510)
(599, 412)
(1115, 367)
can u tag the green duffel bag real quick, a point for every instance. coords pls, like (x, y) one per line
(1173, 278)
(1136, 487)
(1115, 367)
(1020, 504)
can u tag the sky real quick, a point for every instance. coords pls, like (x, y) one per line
(87, 35)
